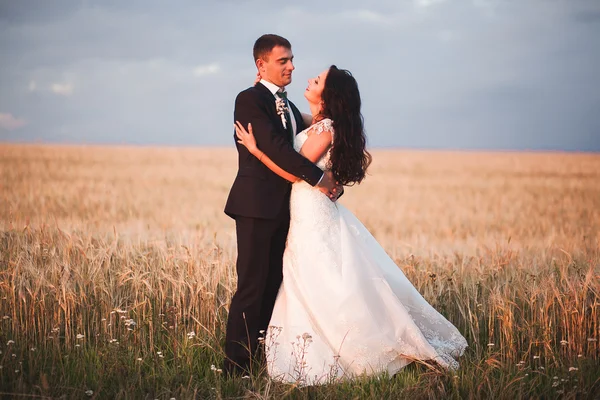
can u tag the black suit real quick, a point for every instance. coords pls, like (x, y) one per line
(259, 203)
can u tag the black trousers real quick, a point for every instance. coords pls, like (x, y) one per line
(261, 243)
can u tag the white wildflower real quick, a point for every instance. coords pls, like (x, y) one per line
(80, 336)
(213, 368)
(191, 335)
(491, 345)
(245, 377)
(571, 369)
(89, 392)
(564, 342)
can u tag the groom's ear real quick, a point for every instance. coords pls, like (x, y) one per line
(260, 64)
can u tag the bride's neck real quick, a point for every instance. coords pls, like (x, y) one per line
(314, 110)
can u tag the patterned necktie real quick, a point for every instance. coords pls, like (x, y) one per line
(288, 120)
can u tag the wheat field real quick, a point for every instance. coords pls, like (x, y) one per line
(117, 268)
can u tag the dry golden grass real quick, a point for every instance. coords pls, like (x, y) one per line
(412, 201)
(506, 245)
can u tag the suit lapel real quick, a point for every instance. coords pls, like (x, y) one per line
(270, 98)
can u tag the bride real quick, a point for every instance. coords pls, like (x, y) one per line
(344, 308)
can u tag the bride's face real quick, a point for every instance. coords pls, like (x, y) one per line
(315, 88)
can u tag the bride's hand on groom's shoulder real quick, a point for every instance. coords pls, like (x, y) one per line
(257, 78)
(246, 137)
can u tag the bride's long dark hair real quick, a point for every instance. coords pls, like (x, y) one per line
(341, 102)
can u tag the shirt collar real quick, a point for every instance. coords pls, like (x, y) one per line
(273, 88)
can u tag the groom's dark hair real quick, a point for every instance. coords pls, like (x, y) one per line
(266, 43)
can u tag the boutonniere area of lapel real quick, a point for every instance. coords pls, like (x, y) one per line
(281, 110)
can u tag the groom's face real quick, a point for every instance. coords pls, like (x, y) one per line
(277, 66)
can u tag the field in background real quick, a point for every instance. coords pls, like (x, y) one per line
(117, 267)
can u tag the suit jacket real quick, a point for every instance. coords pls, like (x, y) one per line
(257, 192)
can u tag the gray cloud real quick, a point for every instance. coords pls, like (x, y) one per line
(441, 74)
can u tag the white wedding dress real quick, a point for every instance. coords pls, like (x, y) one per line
(344, 307)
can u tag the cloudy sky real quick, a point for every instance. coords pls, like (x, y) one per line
(458, 74)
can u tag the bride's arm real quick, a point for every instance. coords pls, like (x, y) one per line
(316, 145)
(313, 149)
(247, 139)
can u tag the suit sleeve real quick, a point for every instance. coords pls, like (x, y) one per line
(271, 139)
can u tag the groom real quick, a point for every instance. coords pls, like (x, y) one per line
(259, 199)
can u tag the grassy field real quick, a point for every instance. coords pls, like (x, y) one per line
(117, 268)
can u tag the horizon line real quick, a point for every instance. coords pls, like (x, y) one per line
(231, 147)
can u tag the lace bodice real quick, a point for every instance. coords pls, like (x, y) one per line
(316, 129)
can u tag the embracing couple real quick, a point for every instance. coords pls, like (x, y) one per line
(318, 300)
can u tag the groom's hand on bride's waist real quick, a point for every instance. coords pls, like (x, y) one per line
(330, 187)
